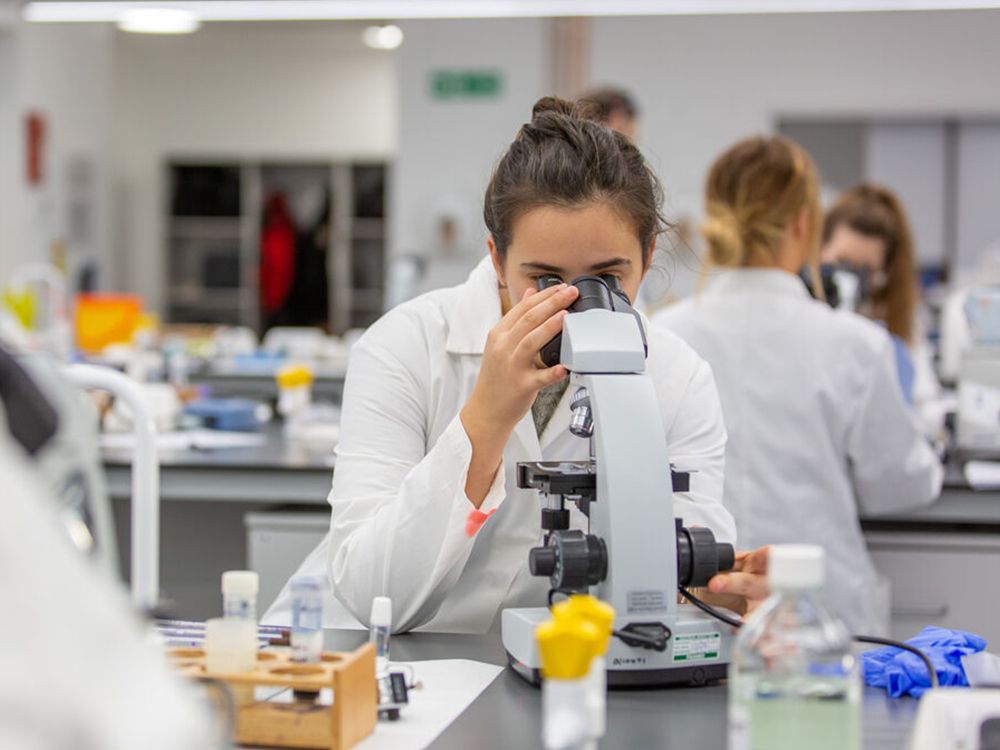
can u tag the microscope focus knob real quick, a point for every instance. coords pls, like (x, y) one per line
(542, 561)
(572, 560)
(699, 556)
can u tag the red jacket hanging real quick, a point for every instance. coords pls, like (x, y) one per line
(277, 254)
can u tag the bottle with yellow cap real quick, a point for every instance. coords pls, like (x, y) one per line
(602, 616)
(567, 647)
(294, 392)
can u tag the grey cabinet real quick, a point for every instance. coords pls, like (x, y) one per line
(944, 579)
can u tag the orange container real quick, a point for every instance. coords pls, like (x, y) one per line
(104, 319)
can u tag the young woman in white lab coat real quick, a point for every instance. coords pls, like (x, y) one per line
(446, 394)
(818, 428)
(867, 228)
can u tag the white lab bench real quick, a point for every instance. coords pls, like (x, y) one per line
(266, 506)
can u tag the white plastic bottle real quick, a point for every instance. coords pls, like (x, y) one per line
(239, 595)
(381, 626)
(307, 618)
(793, 681)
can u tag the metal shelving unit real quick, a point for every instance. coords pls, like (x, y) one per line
(214, 220)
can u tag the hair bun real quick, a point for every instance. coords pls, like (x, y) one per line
(552, 104)
(723, 234)
(581, 109)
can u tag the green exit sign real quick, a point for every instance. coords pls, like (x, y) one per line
(466, 84)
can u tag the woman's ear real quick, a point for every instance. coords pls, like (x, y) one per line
(647, 257)
(495, 257)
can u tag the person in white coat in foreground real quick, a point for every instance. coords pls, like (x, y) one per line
(818, 427)
(78, 671)
(446, 394)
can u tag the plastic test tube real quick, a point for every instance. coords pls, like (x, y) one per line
(307, 618)
(381, 626)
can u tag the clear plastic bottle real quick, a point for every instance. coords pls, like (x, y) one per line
(307, 618)
(567, 647)
(793, 681)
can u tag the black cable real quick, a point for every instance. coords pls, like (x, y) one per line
(906, 647)
(657, 643)
(717, 614)
(555, 592)
(708, 609)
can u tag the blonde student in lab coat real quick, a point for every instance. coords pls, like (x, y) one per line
(446, 394)
(818, 428)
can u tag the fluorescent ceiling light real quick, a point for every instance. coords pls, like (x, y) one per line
(315, 10)
(389, 36)
(158, 21)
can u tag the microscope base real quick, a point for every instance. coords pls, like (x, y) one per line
(653, 678)
(631, 666)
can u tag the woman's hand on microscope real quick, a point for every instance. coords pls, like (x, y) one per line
(743, 588)
(510, 378)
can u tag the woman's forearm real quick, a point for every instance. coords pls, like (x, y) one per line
(488, 441)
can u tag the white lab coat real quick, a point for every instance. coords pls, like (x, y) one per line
(817, 425)
(399, 510)
(78, 671)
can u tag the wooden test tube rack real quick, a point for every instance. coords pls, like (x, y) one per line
(302, 724)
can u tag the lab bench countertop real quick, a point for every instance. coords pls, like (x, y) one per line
(284, 472)
(276, 471)
(508, 713)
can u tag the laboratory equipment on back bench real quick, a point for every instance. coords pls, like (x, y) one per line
(978, 423)
(635, 554)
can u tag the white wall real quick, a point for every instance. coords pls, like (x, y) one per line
(289, 91)
(63, 73)
(9, 162)
(447, 148)
(705, 82)
(702, 83)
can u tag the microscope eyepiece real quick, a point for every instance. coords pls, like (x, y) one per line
(596, 293)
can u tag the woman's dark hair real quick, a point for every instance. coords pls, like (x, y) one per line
(564, 158)
(875, 211)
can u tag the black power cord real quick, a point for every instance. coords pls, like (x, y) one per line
(709, 609)
(906, 647)
(632, 637)
(722, 616)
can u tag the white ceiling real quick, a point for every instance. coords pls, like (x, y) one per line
(261, 10)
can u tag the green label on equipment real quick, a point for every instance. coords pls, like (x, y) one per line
(465, 84)
(696, 647)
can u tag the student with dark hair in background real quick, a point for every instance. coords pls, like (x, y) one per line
(616, 108)
(867, 229)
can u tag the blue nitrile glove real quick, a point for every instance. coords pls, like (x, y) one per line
(903, 673)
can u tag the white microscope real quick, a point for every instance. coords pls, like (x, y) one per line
(635, 555)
